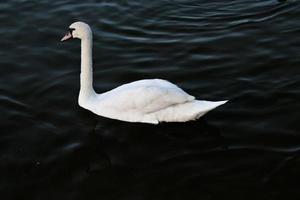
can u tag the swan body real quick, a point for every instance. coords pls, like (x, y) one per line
(147, 101)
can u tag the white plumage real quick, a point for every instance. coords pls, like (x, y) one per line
(148, 101)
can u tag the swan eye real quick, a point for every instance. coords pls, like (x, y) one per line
(71, 30)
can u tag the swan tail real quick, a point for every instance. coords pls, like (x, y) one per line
(203, 107)
(188, 111)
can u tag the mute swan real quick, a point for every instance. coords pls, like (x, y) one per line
(147, 101)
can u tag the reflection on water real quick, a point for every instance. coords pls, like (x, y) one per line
(245, 51)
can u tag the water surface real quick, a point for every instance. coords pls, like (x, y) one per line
(245, 51)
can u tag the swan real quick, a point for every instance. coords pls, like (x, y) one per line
(146, 101)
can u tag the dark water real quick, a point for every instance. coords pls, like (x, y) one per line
(245, 51)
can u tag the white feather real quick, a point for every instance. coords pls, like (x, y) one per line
(147, 101)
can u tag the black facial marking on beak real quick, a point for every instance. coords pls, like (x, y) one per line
(71, 31)
(69, 34)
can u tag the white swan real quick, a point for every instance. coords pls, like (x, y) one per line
(147, 101)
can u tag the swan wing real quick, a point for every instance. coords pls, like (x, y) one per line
(145, 96)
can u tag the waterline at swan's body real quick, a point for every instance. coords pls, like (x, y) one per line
(147, 101)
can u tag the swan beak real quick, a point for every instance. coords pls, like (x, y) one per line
(67, 36)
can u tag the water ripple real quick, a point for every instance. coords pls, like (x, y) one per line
(245, 51)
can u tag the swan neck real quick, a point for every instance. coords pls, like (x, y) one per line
(86, 76)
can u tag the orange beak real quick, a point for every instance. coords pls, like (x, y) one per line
(67, 36)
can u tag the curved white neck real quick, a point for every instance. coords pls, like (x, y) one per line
(86, 76)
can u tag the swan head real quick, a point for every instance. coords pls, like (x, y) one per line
(78, 30)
